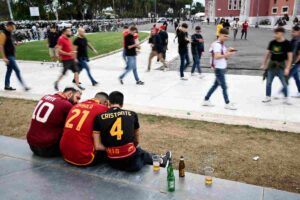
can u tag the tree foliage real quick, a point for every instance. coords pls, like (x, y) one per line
(88, 9)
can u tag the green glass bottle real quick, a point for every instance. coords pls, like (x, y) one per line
(171, 178)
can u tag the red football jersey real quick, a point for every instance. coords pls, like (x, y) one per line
(77, 145)
(48, 121)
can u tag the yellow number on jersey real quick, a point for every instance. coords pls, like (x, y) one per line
(116, 129)
(77, 112)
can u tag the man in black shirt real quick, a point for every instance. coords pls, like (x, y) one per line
(52, 41)
(81, 47)
(279, 54)
(183, 42)
(197, 50)
(130, 51)
(164, 38)
(8, 51)
(117, 133)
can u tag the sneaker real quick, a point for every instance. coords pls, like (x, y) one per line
(56, 86)
(27, 89)
(140, 83)
(267, 100)
(95, 83)
(297, 95)
(286, 101)
(75, 82)
(80, 87)
(121, 81)
(165, 159)
(9, 88)
(207, 103)
(230, 106)
(201, 76)
(183, 79)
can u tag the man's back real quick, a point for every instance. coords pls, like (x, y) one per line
(77, 145)
(48, 120)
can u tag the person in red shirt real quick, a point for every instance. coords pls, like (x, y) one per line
(245, 27)
(77, 145)
(48, 121)
(67, 56)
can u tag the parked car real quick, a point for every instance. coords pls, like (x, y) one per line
(162, 20)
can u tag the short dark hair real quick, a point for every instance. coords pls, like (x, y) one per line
(198, 28)
(125, 27)
(116, 97)
(296, 28)
(64, 29)
(133, 28)
(224, 31)
(101, 95)
(184, 25)
(279, 30)
(10, 23)
(70, 89)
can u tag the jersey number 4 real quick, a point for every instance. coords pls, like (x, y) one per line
(116, 129)
(76, 113)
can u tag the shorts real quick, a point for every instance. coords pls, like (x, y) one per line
(69, 65)
(52, 151)
(53, 52)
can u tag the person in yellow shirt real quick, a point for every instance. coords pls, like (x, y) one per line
(219, 28)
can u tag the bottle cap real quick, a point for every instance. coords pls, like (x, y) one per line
(181, 158)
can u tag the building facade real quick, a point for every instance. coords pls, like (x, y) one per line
(253, 10)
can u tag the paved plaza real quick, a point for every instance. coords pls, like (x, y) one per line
(165, 94)
(25, 176)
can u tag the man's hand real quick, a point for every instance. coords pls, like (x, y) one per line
(6, 61)
(287, 71)
(263, 67)
(229, 54)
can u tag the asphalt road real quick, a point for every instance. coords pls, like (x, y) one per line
(250, 53)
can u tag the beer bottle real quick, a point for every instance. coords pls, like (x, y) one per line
(171, 178)
(181, 167)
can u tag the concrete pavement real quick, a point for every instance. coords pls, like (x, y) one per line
(165, 94)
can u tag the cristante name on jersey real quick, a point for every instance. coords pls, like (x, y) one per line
(116, 114)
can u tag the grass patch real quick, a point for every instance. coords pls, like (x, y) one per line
(104, 42)
(229, 149)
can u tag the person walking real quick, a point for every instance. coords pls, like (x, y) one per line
(197, 50)
(220, 55)
(279, 58)
(157, 49)
(52, 41)
(183, 42)
(219, 28)
(67, 56)
(8, 51)
(81, 47)
(294, 72)
(131, 47)
(235, 27)
(245, 27)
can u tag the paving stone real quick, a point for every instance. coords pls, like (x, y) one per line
(271, 194)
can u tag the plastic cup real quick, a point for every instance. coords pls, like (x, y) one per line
(208, 171)
(156, 163)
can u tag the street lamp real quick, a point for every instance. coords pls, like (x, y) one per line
(9, 9)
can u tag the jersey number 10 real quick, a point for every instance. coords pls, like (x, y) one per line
(39, 108)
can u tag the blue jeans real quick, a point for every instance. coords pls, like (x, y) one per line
(124, 57)
(220, 81)
(295, 74)
(131, 63)
(83, 64)
(12, 66)
(272, 72)
(196, 64)
(183, 62)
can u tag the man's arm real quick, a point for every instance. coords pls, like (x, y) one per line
(97, 141)
(2, 42)
(288, 64)
(266, 58)
(92, 47)
(136, 137)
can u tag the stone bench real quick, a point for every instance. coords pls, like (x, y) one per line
(28, 177)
